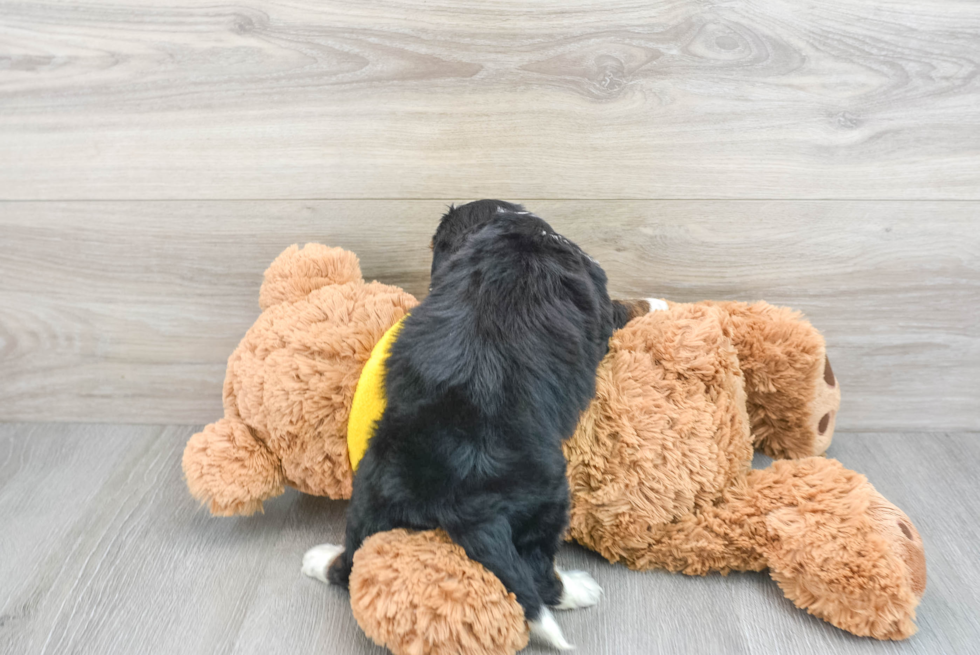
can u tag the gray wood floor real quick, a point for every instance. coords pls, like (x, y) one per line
(102, 551)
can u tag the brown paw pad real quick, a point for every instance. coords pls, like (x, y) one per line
(824, 422)
(828, 373)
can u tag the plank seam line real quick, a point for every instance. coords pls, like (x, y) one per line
(451, 199)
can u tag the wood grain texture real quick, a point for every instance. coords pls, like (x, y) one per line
(554, 99)
(127, 311)
(103, 552)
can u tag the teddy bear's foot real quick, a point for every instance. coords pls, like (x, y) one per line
(230, 470)
(793, 395)
(840, 550)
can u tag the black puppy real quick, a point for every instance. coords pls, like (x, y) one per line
(486, 379)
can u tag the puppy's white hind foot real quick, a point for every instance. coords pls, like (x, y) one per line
(578, 590)
(318, 559)
(546, 630)
(657, 305)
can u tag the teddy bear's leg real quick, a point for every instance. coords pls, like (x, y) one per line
(230, 470)
(839, 549)
(793, 395)
(417, 593)
(835, 546)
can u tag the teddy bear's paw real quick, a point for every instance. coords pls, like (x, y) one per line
(547, 631)
(317, 560)
(230, 470)
(578, 590)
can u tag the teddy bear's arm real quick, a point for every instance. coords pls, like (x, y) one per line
(230, 470)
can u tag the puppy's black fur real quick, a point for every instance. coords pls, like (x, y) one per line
(460, 222)
(489, 374)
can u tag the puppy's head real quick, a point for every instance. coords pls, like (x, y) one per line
(459, 223)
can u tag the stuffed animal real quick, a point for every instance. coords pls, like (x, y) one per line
(659, 466)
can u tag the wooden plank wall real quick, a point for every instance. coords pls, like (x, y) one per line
(155, 157)
(126, 311)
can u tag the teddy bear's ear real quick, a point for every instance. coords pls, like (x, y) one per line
(298, 272)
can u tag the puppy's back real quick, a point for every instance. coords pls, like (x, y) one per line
(515, 325)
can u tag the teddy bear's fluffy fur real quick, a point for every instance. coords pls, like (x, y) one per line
(659, 467)
(420, 593)
(290, 383)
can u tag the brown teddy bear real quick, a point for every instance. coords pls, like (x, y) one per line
(659, 467)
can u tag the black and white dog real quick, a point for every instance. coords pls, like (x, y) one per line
(486, 379)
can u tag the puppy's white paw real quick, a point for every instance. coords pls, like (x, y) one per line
(657, 305)
(578, 590)
(546, 630)
(317, 560)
